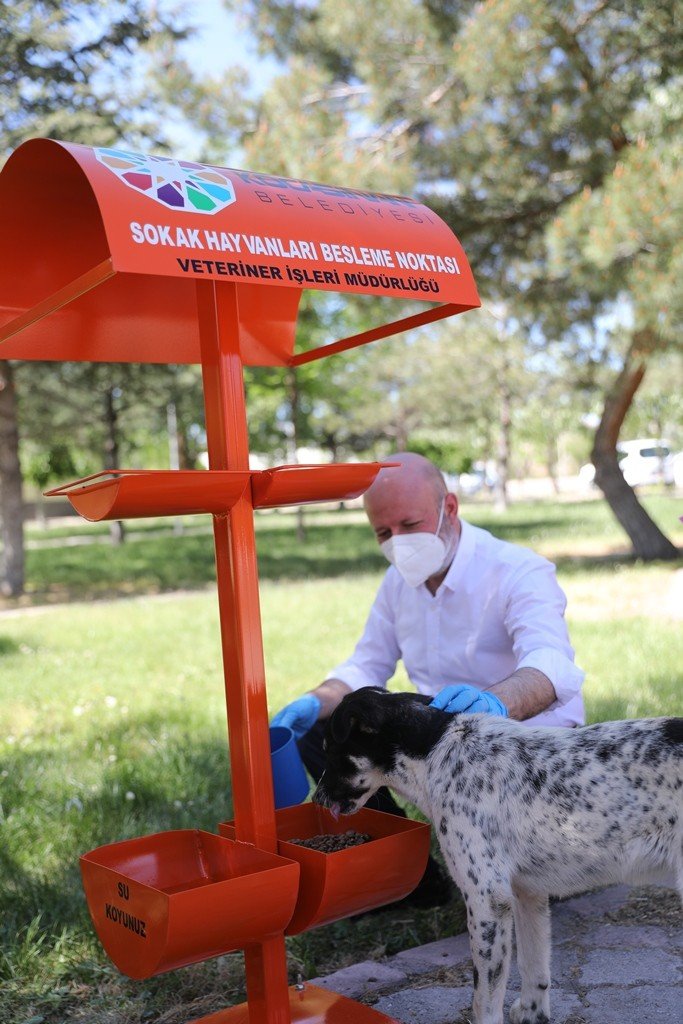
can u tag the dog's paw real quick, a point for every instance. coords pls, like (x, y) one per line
(525, 1014)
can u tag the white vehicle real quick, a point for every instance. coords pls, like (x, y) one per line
(647, 460)
(482, 476)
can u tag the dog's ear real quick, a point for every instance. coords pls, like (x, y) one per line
(361, 710)
(342, 722)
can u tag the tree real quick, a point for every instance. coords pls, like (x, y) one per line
(503, 114)
(45, 464)
(659, 409)
(108, 415)
(73, 70)
(81, 70)
(279, 134)
(11, 506)
(627, 238)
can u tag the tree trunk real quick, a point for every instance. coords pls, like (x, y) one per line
(111, 455)
(11, 504)
(551, 462)
(503, 447)
(401, 431)
(648, 541)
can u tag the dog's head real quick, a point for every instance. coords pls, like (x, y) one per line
(368, 732)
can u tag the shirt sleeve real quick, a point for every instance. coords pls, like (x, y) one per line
(534, 619)
(374, 660)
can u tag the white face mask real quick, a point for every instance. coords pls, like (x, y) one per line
(417, 556)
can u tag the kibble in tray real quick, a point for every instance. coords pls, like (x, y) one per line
(333, 843)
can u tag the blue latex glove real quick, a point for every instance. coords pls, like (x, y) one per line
(462, 699)
(300, 715)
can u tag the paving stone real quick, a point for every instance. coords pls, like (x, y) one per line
(435, 1005)
(565, 928)
(361, 978)
(651, 1003)
(629, 967)
(626, 935)
(602, 972)
(595, 904)
(444, 953)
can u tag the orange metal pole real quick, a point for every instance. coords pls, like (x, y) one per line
(243, 663)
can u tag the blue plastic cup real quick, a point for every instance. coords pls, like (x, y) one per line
(290, 781)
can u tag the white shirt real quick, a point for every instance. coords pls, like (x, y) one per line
(498, 609)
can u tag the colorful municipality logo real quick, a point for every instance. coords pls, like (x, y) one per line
(176, 184)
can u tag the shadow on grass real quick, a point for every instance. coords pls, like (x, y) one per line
(166, 563)
(158, 564)
(606, 709)
(607, 563)
(8, 645)
(616, 708)
(181, 782)
(166, 776)
(569, 564)
(522, 526)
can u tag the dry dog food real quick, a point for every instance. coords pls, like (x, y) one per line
(333, 843)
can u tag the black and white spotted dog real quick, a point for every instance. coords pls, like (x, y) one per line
(521, 813)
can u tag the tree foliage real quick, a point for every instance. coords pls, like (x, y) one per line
(505, 110)
(80, 71)
(541, 131)
(546, 133)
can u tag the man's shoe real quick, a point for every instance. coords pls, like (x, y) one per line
(434, 889)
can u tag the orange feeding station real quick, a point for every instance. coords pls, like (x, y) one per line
(111, 256)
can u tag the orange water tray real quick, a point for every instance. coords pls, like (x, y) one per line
(163, 901)
(346, 882)
(140, 493)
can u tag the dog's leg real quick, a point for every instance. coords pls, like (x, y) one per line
(532, 931)
(489, 919)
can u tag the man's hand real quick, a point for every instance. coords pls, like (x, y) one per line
(300, 715)
(462, 699)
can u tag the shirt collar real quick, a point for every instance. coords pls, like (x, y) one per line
(462, 558)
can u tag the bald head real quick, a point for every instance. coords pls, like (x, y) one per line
(415, 475)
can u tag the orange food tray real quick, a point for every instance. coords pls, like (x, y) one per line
(347, 882)
(140, 493)
(175, 898)
(299, 485)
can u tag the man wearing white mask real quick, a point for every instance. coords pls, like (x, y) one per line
(478, 622)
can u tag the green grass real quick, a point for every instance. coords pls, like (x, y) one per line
(112, 724)
(338, 544)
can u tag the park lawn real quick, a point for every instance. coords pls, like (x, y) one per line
(112, 724)
(153, 560)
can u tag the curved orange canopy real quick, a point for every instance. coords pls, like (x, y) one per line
(101, 248)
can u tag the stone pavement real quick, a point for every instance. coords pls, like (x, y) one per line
(617, 959)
